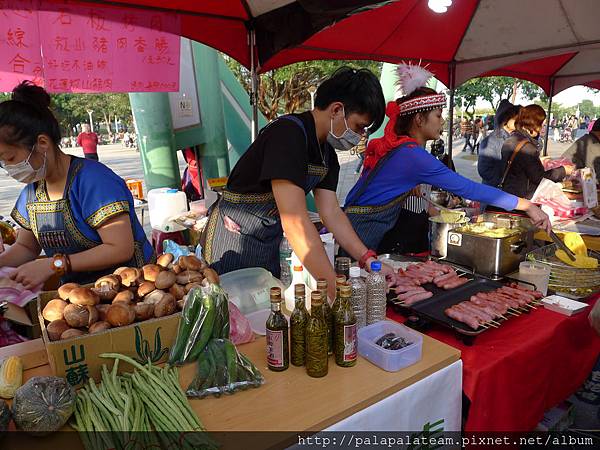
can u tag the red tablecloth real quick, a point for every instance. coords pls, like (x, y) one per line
(514, 373)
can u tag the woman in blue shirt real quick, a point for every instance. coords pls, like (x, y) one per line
(78, 211)
(398, 162)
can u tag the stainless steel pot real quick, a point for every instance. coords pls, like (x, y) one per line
(438, 235)
(439, 197)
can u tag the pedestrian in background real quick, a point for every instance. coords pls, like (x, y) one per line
(88, 140)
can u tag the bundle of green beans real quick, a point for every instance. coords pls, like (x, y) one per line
(133, 410)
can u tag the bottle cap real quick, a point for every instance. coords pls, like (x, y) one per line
(340, 279)
(299, 290)
(315, 298)
(275, 293)
(346, 291)
(321, 284)
(376, 266)
(342, 262)
(354, 272)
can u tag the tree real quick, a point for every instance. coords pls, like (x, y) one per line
(494, 89)
(285, 90)
(587, 108)
(106, 106)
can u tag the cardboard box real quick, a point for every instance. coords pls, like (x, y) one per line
(24, 319)
(77, 359)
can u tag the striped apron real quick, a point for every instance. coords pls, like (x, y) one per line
(372, 222)
(244, 230)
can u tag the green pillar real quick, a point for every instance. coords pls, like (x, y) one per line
(213, 150)
(156, 140)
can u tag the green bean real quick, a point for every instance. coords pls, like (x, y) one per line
(172, 423)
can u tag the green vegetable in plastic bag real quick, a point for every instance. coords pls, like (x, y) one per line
(205, 316)
(223, 370)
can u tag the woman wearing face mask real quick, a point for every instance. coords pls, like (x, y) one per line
(398, 162)
(522, 169)
(293, 155)
(77, 211)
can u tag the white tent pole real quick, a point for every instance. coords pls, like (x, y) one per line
(545, 151)
(451, 111)
(254, 83)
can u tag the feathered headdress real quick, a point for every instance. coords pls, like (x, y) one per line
(410, 78)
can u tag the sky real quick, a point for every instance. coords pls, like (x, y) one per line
(574, 95)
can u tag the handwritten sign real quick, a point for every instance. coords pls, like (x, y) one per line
(20, 56)
(90, 49)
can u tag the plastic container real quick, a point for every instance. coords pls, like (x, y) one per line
(163, 205)
(535, 273)
(258, 321)
(389, 360)
(249, 288)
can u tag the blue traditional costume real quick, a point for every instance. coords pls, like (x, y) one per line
(93, 194)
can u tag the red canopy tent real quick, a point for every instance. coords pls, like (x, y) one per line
(550, 42)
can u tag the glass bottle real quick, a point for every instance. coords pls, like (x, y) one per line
(327, 313)
(345, 341)
(340, 280)
(316, 339)
(285, 257)
(358, 301)
(342, 266)
(376, 299)
(298, 323)
(278, 351)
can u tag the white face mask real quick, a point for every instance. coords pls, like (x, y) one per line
(24, 172)
(349, 138)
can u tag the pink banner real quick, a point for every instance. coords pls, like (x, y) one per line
(92, 49)
(20, 56)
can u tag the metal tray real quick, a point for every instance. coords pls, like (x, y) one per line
(567, 280)
(433, 308)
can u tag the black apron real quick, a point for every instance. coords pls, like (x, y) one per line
(256, 241)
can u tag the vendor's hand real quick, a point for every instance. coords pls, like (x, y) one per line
(34, 273)
(594, 317)
(539, 218)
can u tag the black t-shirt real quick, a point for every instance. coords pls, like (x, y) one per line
(282, 151)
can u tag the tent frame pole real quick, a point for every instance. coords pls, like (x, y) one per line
(254, 83)
(451, 112)
(545, 151)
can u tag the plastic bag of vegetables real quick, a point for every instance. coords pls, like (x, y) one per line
(223, 370)
(205, 316)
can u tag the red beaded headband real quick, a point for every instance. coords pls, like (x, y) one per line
(422, 103)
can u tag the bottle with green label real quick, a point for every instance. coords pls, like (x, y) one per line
(345, 343)
(316, 339)
(278, 351)
(327, 314)
(298, 323)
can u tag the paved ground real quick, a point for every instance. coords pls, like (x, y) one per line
(127, 164)
(124, 161)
